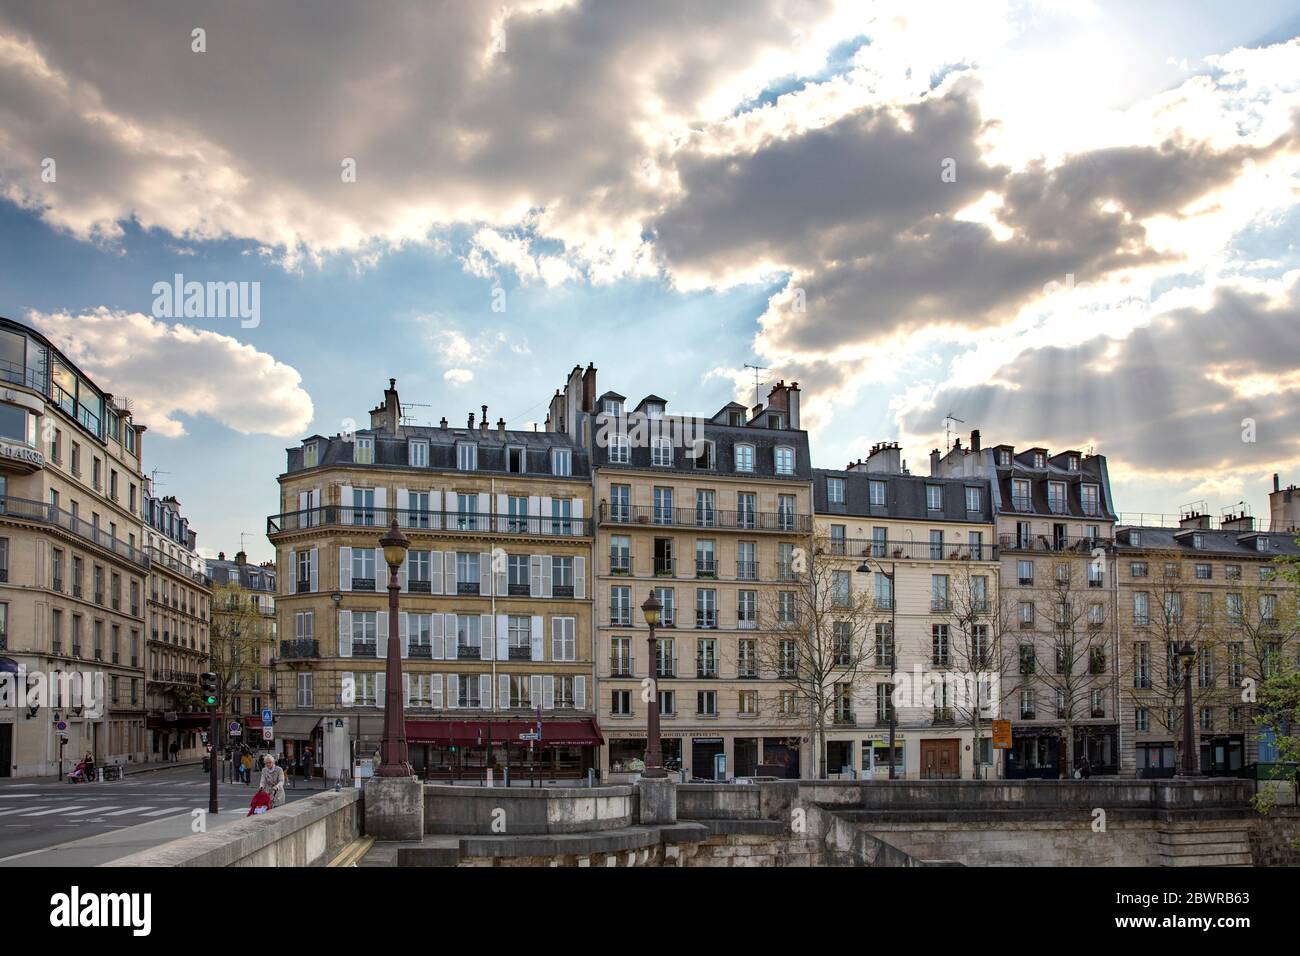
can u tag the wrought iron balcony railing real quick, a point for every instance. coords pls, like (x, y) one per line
(781, 521)
(436, 522)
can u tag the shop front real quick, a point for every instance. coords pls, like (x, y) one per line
(184, 729)
(466, 749)
(1035, 754)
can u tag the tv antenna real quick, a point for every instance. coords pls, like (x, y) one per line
(407, 419)
(948, 421)
(758, 398)
(153, 479)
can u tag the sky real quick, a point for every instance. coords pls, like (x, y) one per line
(1072, 225)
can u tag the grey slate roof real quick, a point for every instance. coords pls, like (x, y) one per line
(1217, 544)
(905, 496)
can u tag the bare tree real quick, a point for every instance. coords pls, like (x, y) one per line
(238, 632)
(979, 619)
(1074, 634)
(816, 638)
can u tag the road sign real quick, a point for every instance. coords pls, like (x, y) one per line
(530, 736)
(268, 733)
(1001, 735)
(235, 729)
(62, 725)
(267, 716)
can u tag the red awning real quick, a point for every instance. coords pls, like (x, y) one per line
(555, 733)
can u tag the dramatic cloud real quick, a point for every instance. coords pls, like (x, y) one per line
(169, 370)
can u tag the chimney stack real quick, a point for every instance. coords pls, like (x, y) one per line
(589, 388)
(221, 555)
(975, 440)
(483, 425)
(501, 428)
(934, 463)
(471, 421)
(241, 558)
(1277, 484)
(443, 424)
(785, 398)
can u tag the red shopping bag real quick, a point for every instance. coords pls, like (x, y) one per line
(261, 803)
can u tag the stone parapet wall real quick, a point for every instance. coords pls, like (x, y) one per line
(527, 811)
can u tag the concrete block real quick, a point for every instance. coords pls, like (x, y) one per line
(394, 808)
(658, 801)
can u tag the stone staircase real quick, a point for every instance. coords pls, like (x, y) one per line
(1226, 843)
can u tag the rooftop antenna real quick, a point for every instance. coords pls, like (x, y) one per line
(758, 396)
(241, 541)
(153, 480)
(408, 419)
(948, 421)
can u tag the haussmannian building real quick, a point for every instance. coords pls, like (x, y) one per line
(929, 547)
(495, 617)
(73, 565)
(706, 513)
(179, 596)
(244, 594)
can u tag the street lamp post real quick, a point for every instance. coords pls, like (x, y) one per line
(393, 760)
(866, 567)
(1187, 654)
(654, 757)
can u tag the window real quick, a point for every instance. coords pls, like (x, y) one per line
(668, 703)
(562, 461)
(936, 545)
(663, 505)
(747, 658)
(620, 703)
(1020, 497)
(620, 554)
(706, 608)
(706, 658)
(466, 460)
(877, 493)
(310, 455)
(939, 645)
(784, 460)
(620, 605)
(840, 588)
(563, 639)
(620, 450)
(1091, 499)
(1137, 569)
(938, 592)
(972, 499)
(1203, 572)
(703, 454)
(1056, 497)
(516, 459)
(747, 609)
(418, 454)
(365, 451)
(747, 703)
(934, 497)
(661, 452)
(1141, 608)
(744, 458)
(835, 490)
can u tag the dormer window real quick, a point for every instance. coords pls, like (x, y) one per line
(365, 451)
(1261, 543)
(562, 462)
(620, 450)
(735, 419)
(1072, 462)
(654, 411)
(516, 459)
(310, 455)
(1198, 541)
(1135, 538)
(775, 420)
(613, 407)
(661, 452)
(784, 460)
(1004, 458)
(934, 497)
(835, 490)
(744, 458)
(1040, 460)
(703, 454)
(466, 456)
(417, 453)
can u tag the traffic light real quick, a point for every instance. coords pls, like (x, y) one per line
(208, 683)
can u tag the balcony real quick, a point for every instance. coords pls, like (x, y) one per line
(705, 569)
(518, 652)
(1049, 543)
(907, 550)
(943, 715)
(844, 718)
(44, 513)
(420, 652)
(706, 620)
(433, 522)
(747, 570)
(364, 649)
(299, 650)
(778, 521)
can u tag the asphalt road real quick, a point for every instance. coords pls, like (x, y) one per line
(39, 814)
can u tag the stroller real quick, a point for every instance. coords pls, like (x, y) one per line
(82, 773)
(261, 803)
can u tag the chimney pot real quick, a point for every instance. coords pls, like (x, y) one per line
(975, 439)
(443, 424)
(471, 419)
(501, 427)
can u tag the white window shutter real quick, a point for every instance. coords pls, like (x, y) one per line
(406, 689)
(435, 691)
(503, 577)
(401, 573)
(534, 514)
(503, 691)
(535, 691)
(403, 624)
(453, 691)
(303, 498)
(450, 639)
(403, 505)
(435, 636)
(485, 573)
(345, 633)
(381, 685)
(535, 575)
(580, 578)
(486, 644)
(503, 508)
(381, 570)
(381, 634)
(485, 691)
(435, 572)
(313, 559)
(348, 679)
(546, 575)
(577, 516)
(484, 511)
(345, 499)
(435, 505)
(503, 637)
(449, 571)
(546, 514)
(345, 569)
(548, 692)
(557, 638)
(535, 636)
(292, 576)
(580, 692)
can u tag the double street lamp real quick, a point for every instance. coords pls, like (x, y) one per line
(393, 760)
(867, 567)
(654, 756)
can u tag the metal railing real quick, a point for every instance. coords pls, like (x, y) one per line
(1082, 544)
(408, 519)
(299, 649)
(691, 518)
(906, 550)
(49, 514)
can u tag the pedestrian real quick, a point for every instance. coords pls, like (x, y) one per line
(175, 751)
(246, 766)
(308, 761)
(272, 781)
